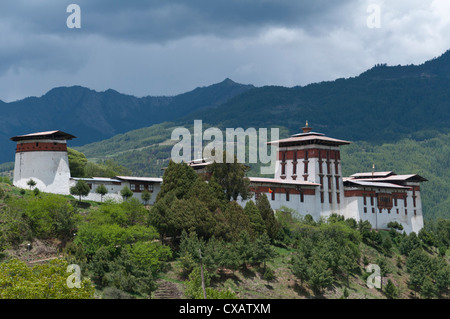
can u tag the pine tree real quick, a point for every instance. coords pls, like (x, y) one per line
(232, 178)
(257, 224)
(429, 289)
(300, 266)
(320, 276)
(268, 216)
(263, 251)
(390, 290)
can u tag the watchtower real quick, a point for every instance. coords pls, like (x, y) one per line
(43, 158)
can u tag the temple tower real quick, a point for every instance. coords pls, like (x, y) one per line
(43, 158)
(314, 157)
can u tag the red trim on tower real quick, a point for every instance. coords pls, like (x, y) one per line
(41, 147)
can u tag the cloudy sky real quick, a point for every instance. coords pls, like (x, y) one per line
(165, 47)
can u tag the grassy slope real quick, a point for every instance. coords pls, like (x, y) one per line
(249, 284)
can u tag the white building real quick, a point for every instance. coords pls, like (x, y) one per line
(114, 185)
(308, 178)
(43, 158)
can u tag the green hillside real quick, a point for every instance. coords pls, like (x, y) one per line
(127, 251)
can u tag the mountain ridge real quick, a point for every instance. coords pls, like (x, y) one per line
(94, 116)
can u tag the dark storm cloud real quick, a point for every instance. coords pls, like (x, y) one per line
(158, 21)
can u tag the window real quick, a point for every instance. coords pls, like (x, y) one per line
(141, 187)
(330, 197)
(287, 195)
(302, 197)
(337, 182)
(415, 212)
(373, 210)
(365, 209)
(306, 168)
(329, 182)
(395, 201)
(406, 202)
(406, 212)
(273, 195)
(150, 187)
(371, 200)
(321, 197)
(365, 200)
(397, 211)
(133, 187)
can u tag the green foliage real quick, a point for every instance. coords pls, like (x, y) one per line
(126, 193)
(146, 196)
(326, 251)
(46, 281)
(177, 179)
(256, 223)
(81, 188)
(101, 190)
(36, 191)
(77, 162)
(390, 290)
(232, 178)
(430, 276)
(194, 288)
(80, 166)
(121, 271)
(268, 216)
(46, 216)
(107, 168)
(31, 183)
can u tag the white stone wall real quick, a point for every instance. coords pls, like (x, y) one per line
(114, 191)
(308, 206)
(354, 208)
(50, 170)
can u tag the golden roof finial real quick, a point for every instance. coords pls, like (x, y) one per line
(306, 129)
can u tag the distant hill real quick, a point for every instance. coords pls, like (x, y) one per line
(385, 103)
(94, 116)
